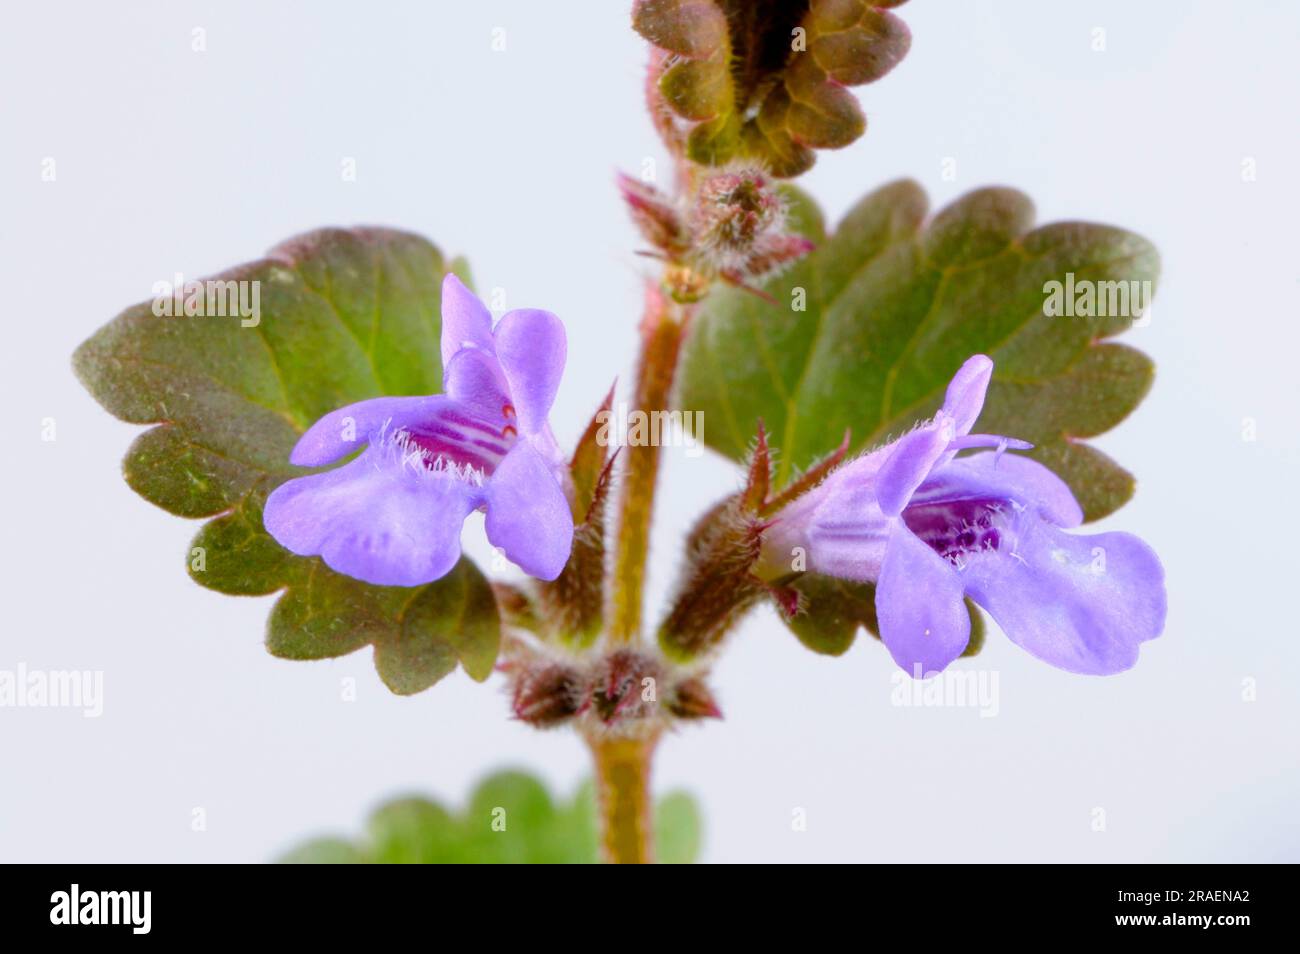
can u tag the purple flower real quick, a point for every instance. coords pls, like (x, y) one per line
(928, 527)
(393, 515)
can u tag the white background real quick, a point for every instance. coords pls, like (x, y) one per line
(173, 160)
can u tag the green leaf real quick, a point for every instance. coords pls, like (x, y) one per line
(832, 610)
(510, 819)
(342, 315)
(325, 851)
(977, 630)
(678, 829)
(766, 80)
(450, 620)
(894, 306)
(409, 831)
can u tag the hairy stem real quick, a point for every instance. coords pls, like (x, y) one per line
(623, 799)
(661, 337)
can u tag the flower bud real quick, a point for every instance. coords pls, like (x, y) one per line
(548, 693)
(771, 253)
(692, 699)
(715, 587)
(732, 210)
(572, 604)
(685, 285)
(739, 229)
(654, 215)
(626, 686)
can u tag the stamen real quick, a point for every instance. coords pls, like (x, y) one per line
(989, 440)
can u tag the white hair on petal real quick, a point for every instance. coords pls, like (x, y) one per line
(399, 448)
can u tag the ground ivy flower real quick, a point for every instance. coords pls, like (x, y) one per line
(928, 528)
(393, 515)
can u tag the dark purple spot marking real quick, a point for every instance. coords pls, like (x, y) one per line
(957, 528)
